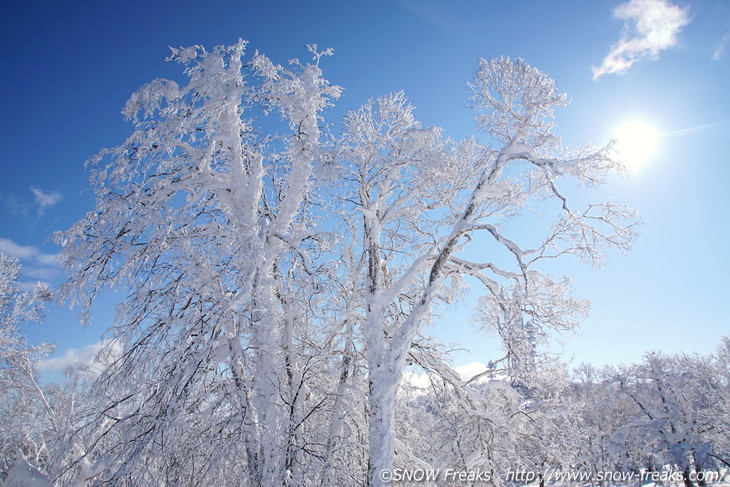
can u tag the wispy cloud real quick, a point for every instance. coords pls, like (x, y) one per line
(92, 358)
(40, 273)
(37, 265)
(720, 48)
(719, 129)
(15, 205)
(433, 13)
(10, 248)
(45, 200)
(23, 207)
(650, 26)
(27, 252)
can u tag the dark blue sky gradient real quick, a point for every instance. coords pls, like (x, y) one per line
(68, 68)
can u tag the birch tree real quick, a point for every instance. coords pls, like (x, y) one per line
(24, 406)
(420, 201)
(273, 289)
(199, 222)
(677, 417)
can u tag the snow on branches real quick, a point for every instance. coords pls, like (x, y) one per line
(276, 280)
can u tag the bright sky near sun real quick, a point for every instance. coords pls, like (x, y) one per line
(653, 73)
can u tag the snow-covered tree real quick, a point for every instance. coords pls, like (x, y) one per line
(202, 220)
(678, 418)
(23, 405)
(419, 201)
(275, 288)
(720, 377)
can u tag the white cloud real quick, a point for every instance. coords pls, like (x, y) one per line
(26, 252)
(468, 371)
(29, 287)
(720, 48)
(93, 358)
(40, 273)
(420, 380)
(47, 259)
(45, 200)
(10, 248)
(37, 265)
(650, 26)
(417, 380)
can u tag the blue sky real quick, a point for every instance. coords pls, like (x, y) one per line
(68, 68)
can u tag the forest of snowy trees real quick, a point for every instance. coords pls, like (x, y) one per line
(277, 273)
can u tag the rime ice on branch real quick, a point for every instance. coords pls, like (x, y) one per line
(419, 201)
(277, 279)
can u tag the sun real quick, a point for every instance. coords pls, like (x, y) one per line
(636, 143)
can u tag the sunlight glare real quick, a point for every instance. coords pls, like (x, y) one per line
(636, 143)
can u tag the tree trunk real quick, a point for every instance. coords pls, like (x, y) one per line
(700, 478)
(685, 477)
(337, 418)
(266, 395)
(381, 415)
